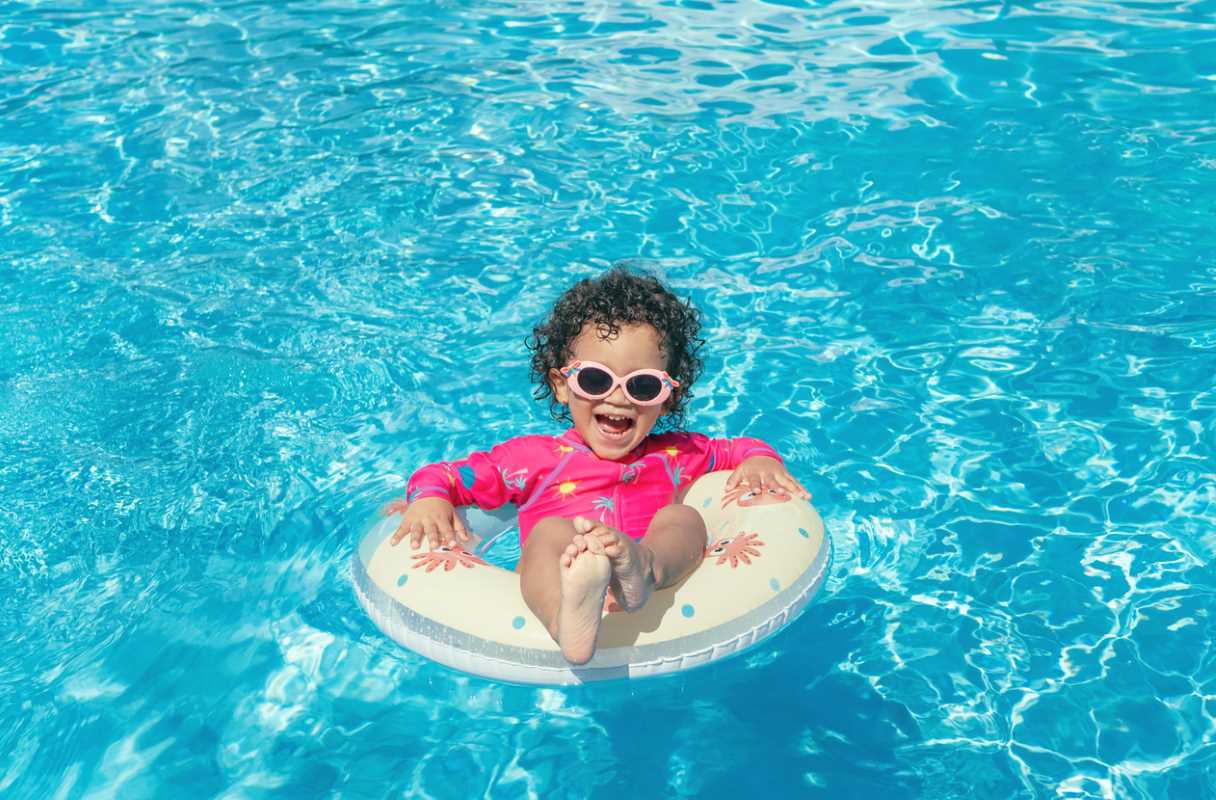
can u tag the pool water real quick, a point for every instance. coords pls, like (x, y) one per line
(258, 259)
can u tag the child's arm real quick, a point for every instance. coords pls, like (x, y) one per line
(755, 464)
(482, 479)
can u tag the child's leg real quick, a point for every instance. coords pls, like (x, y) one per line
(539, 570)
(676, 540)
(673, 546)
(563, 580)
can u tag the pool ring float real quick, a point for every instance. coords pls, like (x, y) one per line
(767, 557)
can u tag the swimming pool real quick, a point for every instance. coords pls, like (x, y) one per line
(258, 259)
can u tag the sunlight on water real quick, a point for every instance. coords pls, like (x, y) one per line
(260, 260)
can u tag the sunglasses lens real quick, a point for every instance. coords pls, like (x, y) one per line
(644, 387)
(594, 381)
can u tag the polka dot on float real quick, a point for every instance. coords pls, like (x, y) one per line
(687, 610)
(401, 581)
(773, 584)
(805, 534)
(517, 623)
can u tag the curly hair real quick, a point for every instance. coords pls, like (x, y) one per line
(620, 297)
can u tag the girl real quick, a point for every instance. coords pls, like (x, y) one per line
(598, 505)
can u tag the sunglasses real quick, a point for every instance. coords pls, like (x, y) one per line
(643, 387)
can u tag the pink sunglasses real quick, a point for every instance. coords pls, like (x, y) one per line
(643, 387)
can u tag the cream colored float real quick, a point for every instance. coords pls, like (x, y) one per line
(766, 559)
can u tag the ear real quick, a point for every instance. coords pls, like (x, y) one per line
(671, 401)
(557, 382)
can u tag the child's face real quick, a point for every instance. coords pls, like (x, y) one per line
(613, 426)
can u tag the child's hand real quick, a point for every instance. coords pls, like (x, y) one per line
(760, 472)
(432, 517)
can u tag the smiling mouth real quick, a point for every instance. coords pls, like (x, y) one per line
(612, 426)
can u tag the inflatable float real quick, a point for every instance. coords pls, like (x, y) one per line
(767, 557)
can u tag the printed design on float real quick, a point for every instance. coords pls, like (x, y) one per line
(446, 556)
(747, 497)
(736, 549)
(514, 479)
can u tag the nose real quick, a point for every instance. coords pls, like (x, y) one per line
(618, 397)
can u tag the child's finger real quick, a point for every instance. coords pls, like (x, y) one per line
(400, 533)
(459, 527)
(395, 507)
(733, 480)
(432, 533)
(415, 535)
(787, 482)
(794, 486)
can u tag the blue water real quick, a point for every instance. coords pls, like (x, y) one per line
(259, 259)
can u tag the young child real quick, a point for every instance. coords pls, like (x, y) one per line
(598, 505)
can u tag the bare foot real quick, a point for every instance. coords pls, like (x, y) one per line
(585, 571)
(631, 580)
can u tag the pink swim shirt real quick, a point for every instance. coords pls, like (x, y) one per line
(546, 476)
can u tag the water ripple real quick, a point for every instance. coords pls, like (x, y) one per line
(261, 259)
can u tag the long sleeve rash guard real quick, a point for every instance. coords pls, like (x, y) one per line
(561, 476)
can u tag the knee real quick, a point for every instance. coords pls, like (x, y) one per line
(548, 532)
(686, 515)
(548, 526)
(686, 518)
